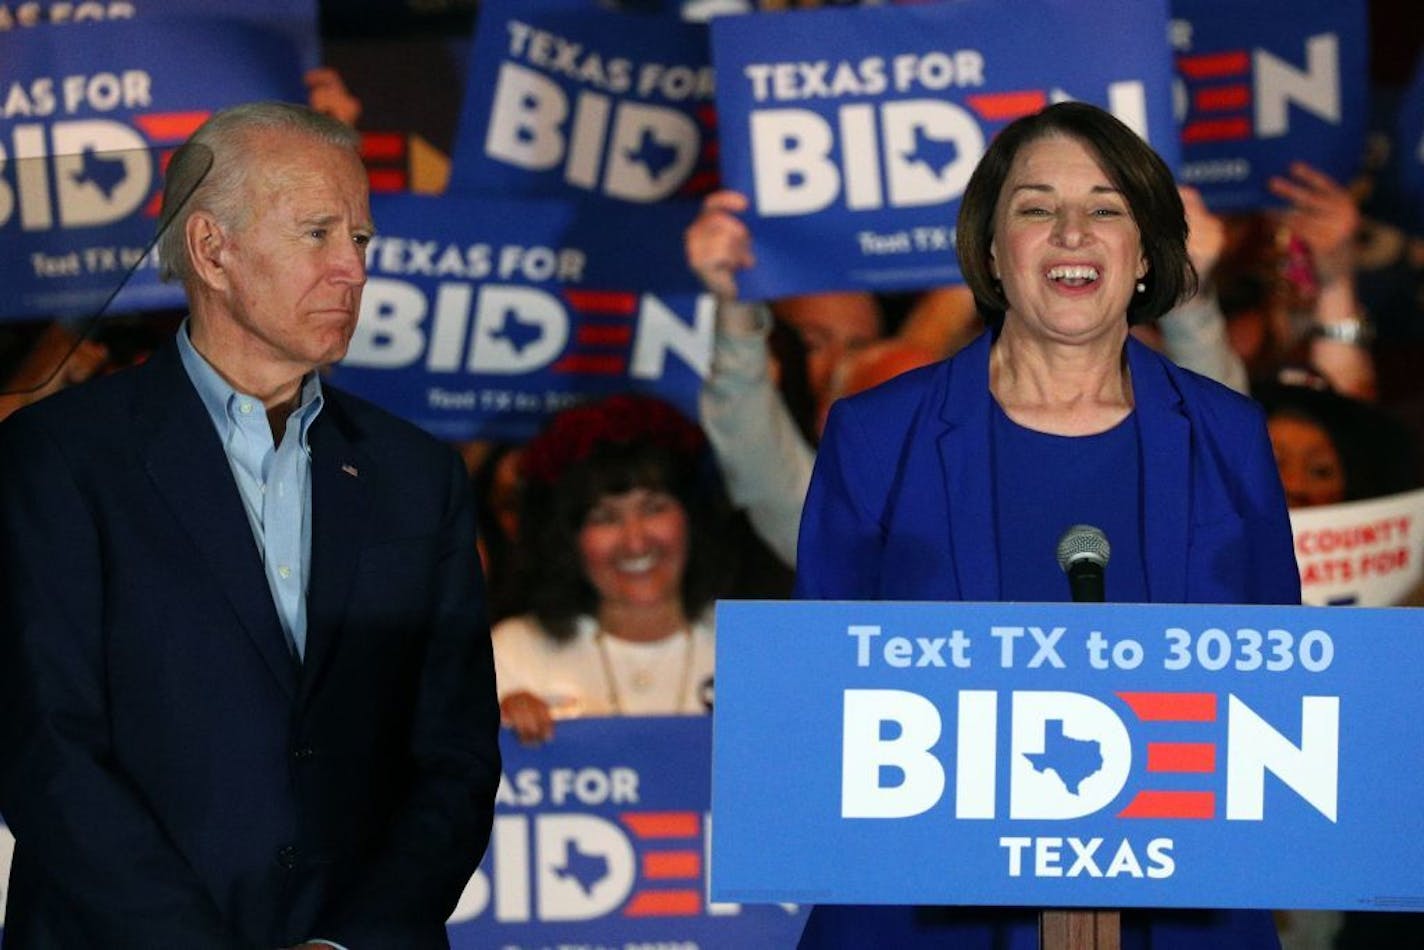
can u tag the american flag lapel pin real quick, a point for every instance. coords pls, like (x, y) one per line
(350, 469)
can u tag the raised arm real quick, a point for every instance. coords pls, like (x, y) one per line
(764, 459)
(1323, 214)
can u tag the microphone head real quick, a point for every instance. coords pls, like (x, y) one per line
(1083, 542)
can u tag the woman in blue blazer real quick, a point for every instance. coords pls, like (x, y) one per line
(956, 481)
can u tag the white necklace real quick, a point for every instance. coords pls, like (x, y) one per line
(642, 679)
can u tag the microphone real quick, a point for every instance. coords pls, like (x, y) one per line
(1083, 554)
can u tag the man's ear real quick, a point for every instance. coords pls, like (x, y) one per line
(205, 241)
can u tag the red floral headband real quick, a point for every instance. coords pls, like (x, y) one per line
(572, 435)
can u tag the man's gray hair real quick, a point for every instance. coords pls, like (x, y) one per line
(208, 172)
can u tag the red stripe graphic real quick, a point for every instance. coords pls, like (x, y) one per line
(386, 180)
(382, 146)
(613, 302)
(590, 363)
(170, 126)
(1172, 707)
(664, 865)
(664, 904)
(1181, 757)
(663, 824)
(1216, 130)
(1222, 98)
(1003, 106)
(1214, 65)
(603, 336)
(166, 127)
(1170, 805)
(701, 183)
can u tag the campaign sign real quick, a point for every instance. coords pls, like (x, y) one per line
(853, 132)
(482, 316)
(1068, 755)
(88, 116)
(600, 841)
(1365, 553)
(296, 19)
(575, 99)
(1264, 84)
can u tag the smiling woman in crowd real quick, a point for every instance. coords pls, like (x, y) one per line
(619, 525)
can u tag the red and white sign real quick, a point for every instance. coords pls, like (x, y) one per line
(1364, 553)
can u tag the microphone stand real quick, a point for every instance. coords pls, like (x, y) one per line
(1081, 929)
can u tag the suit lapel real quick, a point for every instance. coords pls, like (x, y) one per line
(968, 477)
(1165, 438)
(187, 465)
(341, 476)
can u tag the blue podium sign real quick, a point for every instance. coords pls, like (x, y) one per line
(1068, 755)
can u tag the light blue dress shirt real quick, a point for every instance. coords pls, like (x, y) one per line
(274, 480)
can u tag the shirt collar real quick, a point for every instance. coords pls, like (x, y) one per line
(220, 399)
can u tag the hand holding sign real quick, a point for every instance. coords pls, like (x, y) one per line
(718, 243)
(528, 716)
(1324, 215)
(327, 94)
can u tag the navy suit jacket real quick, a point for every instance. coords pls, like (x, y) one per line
(901, 500)
(173, 775)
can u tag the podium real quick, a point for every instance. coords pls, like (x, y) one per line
(1079, 930)
(1077, 758)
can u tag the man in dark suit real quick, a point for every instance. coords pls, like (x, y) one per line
(246, 692)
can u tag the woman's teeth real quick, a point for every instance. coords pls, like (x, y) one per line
(1075, 275)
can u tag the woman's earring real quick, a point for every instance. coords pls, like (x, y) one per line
(1141, 287)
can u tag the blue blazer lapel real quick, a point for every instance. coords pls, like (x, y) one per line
(1165, 438)
(965, 453)
(341, 497)
(186, 463)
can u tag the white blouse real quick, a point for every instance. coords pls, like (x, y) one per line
(595, 674)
